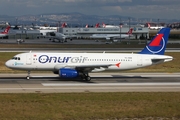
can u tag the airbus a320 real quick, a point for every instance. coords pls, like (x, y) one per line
(79, 65)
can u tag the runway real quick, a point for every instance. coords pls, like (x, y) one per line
(101, 82)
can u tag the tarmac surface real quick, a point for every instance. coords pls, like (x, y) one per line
(101, 82)
(74, 41)
(45, 41)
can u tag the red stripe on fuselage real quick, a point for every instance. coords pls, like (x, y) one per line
(157, 40)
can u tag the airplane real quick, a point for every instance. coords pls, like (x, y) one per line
(154, 27)
(5, 32)
(111, 36)
(109, 26)
(79, 65)
(44, 32)
(58, 36)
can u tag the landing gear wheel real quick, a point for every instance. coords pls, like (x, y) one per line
(85, 76)
(27, 77)
(88, 78)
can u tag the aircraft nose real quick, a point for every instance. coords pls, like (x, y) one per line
(8, 64)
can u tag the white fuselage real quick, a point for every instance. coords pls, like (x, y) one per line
(45, 31)
(109, 36)
(97, 61)
(156, 27)
(3, 35)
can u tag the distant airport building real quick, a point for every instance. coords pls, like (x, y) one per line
(138, 31)
(79, 32)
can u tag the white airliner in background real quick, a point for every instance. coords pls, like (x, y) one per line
(112, 36)
(5, 32)
(154, 27)
(110, 26)
(73, 65)
(60, 37)
(44, 33)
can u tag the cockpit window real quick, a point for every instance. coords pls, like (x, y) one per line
(16, 58)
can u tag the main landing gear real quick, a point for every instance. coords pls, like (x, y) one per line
(28, 76)
(85, 76)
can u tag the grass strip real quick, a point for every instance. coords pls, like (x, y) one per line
(90, 106)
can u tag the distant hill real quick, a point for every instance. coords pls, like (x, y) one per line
(77, 19)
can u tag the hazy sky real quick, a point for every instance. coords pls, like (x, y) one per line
(133, 8)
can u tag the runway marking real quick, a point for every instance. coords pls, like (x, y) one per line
(110, 84)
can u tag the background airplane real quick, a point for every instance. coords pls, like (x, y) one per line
(54, 34)
(73, 65)
(109, 26)
(154, 27)
(113, 36)
(44, 33)
(5, 32)
(58, 36)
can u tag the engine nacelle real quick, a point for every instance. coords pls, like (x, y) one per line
(68, 73)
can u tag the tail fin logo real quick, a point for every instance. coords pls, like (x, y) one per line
(6, 30)
(157, 44)
(104, 25)
(87, 25)
(130, 31)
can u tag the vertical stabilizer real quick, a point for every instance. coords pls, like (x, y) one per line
(158, 44)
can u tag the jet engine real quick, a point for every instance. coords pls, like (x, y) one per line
(68, 73)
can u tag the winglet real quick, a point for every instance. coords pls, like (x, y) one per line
(158, 44)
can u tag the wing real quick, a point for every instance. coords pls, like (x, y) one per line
(89, 68)
(85, 68)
